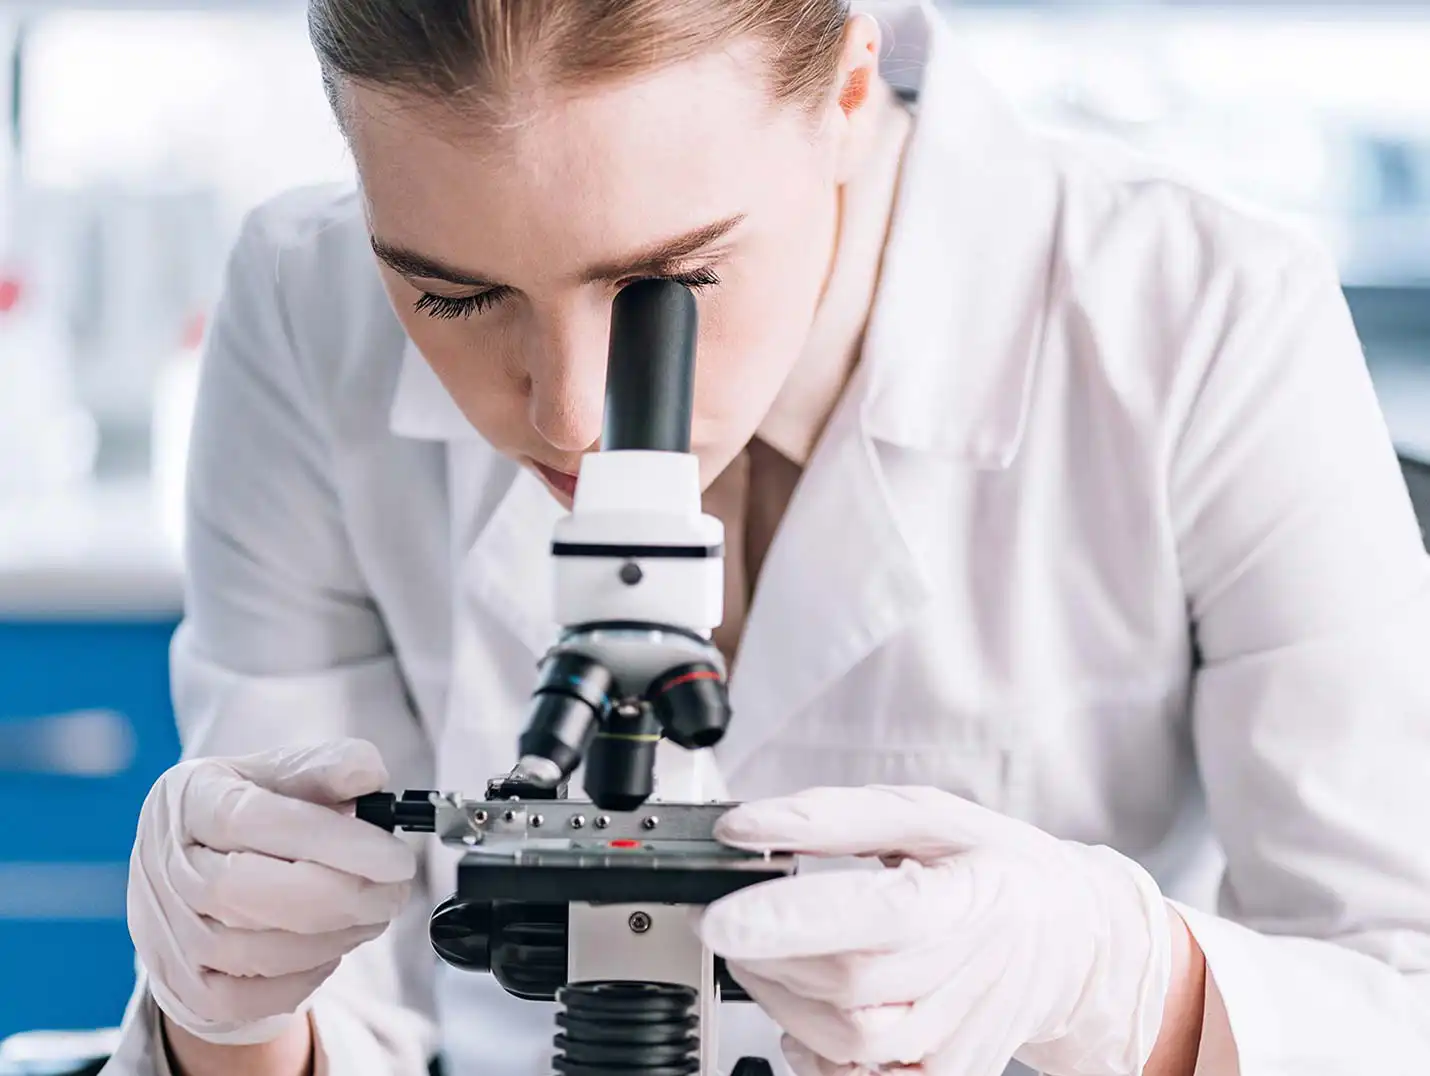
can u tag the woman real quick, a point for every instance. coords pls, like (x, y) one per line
(1073, 517)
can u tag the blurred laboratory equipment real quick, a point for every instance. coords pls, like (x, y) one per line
(47, 438)
(79, 743)
(125, 194)
(1317, 114)
(123, 273)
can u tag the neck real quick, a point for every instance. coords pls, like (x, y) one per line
(879, 130)
(863, 209)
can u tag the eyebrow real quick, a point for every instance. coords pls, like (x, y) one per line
(656, 260)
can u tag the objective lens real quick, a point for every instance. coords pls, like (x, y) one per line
(691, 704)
(571, 696)
(620, 764)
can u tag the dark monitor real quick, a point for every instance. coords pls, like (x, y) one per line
(1417, 478)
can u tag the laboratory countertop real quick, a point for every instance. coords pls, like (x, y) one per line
(97, 552)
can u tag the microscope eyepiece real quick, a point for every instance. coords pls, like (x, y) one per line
(650, 372)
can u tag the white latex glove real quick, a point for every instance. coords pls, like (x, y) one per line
(248, 884)
(985, 940)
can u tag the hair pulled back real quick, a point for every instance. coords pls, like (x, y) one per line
(478, 53)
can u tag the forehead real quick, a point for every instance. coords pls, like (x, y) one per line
(576, 176)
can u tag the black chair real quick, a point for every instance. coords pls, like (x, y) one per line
(1417, 480)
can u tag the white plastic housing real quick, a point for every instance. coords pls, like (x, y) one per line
(641, 499)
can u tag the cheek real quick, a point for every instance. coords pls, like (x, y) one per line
(755, 326)
(476, 366)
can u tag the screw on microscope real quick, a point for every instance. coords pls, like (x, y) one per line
(537, 820)
(508, 816)
(602, 821)
(639, 922)
(650, 821)
(577, 821)
(480, 818)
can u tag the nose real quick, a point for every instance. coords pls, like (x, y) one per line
(568, 385)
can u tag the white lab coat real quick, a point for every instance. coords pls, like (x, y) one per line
(1107, 533)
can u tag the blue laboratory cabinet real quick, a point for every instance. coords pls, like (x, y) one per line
(90, 594)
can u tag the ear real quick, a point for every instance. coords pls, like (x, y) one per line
(855, 84)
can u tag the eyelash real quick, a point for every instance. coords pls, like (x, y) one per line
(446, 308)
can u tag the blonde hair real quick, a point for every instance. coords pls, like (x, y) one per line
(476, 54)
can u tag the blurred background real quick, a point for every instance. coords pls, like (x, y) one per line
(133, 137)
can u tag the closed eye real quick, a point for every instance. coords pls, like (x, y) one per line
(446, 308)
(698, 279)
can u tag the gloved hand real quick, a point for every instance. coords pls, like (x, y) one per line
(985, 940)
(248, 884)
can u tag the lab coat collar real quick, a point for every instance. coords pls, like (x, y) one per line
(422, 408)
(956, 326)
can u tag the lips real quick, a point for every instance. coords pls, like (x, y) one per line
(560, 481)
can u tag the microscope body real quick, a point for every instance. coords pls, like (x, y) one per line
(589, 902)
(639, 588)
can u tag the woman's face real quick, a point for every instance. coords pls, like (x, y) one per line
(502, 248)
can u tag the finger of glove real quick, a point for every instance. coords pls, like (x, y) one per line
(868, 1037)
(860, 980)
(227, 812)
(984, 1042)
(211, 946)
(234, 1000)
(831, 912)
(250, 891)
(805, 1062)
(980, 998)
(327, 773)
(925, 823)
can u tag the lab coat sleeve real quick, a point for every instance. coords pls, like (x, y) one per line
(1309, 590)
(282, 644)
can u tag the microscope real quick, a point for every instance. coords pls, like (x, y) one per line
(588, 902)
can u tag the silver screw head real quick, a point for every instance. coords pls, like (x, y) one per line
(602, 821)
(650, 821)
(639, 922)
(578, 821)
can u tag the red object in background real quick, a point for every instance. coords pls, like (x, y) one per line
(10, 292)
(625, 844)
(193, 336)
